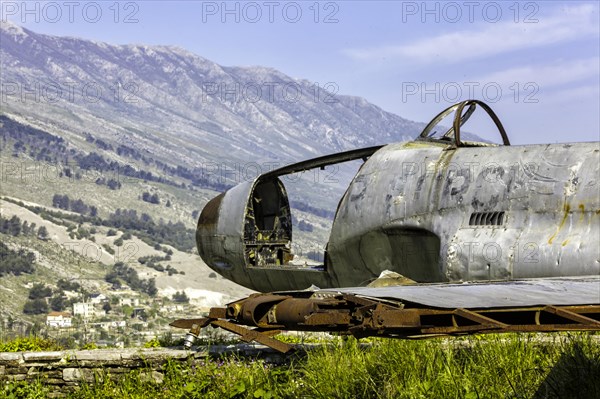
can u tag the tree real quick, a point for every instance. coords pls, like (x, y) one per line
(61, 201)
(39, 291)
(113, 184)
(56, 200)
(127, 310)
(57, 303)
(14, 226)
(151, 287)
(112, 278)
(15, 262)
(180, 297)
(42, 233)
(106, 307)
(82, 232)
(36, 306)
(25, 228)
(151, 198)
(80, 207)
(64, 285)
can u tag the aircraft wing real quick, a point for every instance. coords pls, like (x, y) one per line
(518, 293)
(414, 311)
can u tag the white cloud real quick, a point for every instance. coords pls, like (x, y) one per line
(566, 24)
(546, 76)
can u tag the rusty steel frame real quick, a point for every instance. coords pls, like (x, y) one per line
(260, 316)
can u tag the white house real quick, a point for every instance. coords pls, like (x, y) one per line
(106, 325)
(97, 299)
(128, 301)
(59, 319)
(85, 309)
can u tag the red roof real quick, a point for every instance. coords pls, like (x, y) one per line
(56, 314)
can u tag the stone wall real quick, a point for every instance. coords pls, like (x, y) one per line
(64, 371)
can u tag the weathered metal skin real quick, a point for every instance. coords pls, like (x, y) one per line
(222, 245)
(410, 206)
(431, 210)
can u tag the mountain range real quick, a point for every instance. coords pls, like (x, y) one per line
(179, 107)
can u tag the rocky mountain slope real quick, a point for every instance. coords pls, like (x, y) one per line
(180, 107)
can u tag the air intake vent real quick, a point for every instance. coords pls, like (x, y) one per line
(486, 219)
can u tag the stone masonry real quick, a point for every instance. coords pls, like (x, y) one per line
(64, 371)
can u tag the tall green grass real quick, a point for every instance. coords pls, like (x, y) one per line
(495, 366)
(517, 366)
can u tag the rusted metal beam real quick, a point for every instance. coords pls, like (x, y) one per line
(269, 314)
(568, 314)
(248, 335)
(479, 318)
(217, 313)
(189, 323)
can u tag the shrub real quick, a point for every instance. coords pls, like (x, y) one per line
(29, 344)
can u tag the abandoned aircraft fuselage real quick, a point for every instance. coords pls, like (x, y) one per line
(475, 213)
(432, 210)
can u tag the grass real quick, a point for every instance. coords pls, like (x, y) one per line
(494, 366)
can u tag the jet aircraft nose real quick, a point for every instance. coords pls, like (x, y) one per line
(249, 226)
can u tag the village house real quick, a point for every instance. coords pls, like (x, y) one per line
(87, 310)
(59, 319)
(97, 299)
(107, 325)
(84, 309)
(128, 301)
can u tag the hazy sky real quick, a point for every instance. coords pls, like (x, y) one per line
(537, 63)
